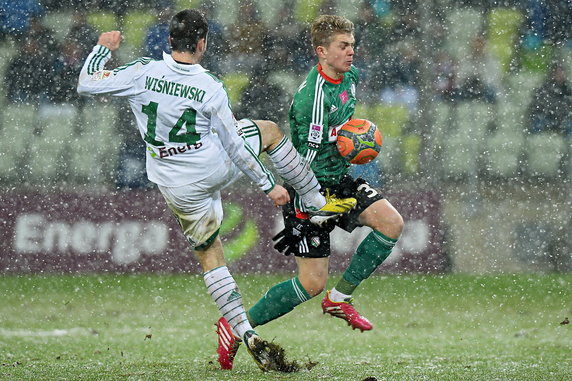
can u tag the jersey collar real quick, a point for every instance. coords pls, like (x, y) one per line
(191, 69)
(328, 78)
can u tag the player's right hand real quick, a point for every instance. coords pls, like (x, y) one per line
(279, 195)
(110, 40)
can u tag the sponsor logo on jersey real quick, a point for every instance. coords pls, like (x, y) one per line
(315, 135)
(344, 97)
(239, 130)
(104, 74)
(175, 89)
(333, 133)
(333, 109)
(172, 151)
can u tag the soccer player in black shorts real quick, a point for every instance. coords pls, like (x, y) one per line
(324, 102)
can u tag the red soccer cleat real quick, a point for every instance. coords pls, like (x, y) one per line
(227, 344)
(345, 310)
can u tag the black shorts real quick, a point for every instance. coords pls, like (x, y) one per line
(318, 245)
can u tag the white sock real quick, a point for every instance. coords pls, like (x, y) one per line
(225, 293)
(336, 296)
(292, 169)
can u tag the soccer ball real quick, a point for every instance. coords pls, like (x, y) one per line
(359, 141)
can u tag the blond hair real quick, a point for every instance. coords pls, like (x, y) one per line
(325, 27)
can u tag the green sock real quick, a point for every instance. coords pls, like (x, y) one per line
(371, 253)
(345, 287)
(278, 301)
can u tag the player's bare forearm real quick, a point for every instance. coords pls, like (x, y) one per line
(111, 40)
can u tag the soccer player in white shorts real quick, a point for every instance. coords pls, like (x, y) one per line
(198, 206)
(195, 148)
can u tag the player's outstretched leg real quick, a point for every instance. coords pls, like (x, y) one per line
(290, 166)
(333, 209)
(345, 310)
(228, 344)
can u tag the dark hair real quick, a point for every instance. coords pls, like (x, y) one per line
(186, 29)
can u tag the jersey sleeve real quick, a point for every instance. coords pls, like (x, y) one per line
(93, 79)
(309, 119)
(224, 124)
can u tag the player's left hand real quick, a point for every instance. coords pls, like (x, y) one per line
(279, 195)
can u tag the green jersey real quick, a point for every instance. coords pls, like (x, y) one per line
(319, 108)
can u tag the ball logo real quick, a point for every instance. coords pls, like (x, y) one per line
(359, 141)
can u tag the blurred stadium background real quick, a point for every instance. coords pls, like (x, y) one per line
(482, 178)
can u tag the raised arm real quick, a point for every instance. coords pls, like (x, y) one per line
(94, 79)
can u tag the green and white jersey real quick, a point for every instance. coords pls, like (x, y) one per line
(183, 114)
(319, 108)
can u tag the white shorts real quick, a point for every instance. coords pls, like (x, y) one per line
(198, 206)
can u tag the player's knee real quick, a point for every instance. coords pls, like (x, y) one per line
(313, 285)
(269, 128)
(271, 133)
(397, 222)
(316, 289)
(391, 224)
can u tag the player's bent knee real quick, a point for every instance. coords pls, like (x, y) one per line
(270, 133)
(313, 286)
(397, 222)
(384, 218)
(316, 290)
(268, 127)
(390, 225)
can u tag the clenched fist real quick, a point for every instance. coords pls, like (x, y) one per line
(110, 40)
(279, 195)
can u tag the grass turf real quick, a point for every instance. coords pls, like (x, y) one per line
(161, 327)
